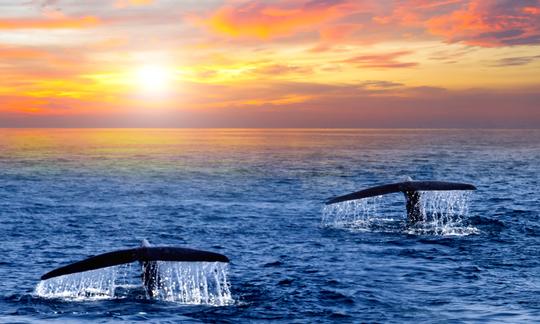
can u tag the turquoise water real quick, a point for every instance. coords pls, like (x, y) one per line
(257, 196)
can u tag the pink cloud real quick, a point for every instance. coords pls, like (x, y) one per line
(486, 23)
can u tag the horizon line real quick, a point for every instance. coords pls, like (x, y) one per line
(283, 128)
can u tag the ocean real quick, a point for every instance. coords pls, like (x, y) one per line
(257, 196)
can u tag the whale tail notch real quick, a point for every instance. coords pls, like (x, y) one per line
(145, 254)
(411, 189)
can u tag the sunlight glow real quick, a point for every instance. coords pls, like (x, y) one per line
(153, 79)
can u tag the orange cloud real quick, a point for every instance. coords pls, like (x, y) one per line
(259, 20)
(384, 61)
(56, 23)
(532, 10)
(486, 23)
(20, 53)
(127, 3)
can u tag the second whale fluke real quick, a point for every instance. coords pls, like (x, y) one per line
(412, 191)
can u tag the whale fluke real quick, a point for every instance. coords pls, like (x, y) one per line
(409, 188)
(402, 187)
(145, 254)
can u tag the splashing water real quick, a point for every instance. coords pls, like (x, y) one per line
(358, 214)
(95, 284)
(193, 283)
(443, 213)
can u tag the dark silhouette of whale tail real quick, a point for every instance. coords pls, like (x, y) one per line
(411, 189)
(145, 254)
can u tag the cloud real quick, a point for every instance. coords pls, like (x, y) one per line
(485, 23)
(514, 61)
(260, 20)
(21, 53)
(532, 10)
(49, 23)
(335, 34)
(291, 104)
(423, 107)
(381, 84)
(128, 3)
(46, 4)
(383, 61)
(452, 55)
(338, 32)
(280, 69)
(489, 23)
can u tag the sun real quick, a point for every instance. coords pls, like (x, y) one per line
(153, 79)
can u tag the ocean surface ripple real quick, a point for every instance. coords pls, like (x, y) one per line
(257, 196)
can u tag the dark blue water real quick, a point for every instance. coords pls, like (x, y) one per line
(256, 196)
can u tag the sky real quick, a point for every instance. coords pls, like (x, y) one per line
(293, 63)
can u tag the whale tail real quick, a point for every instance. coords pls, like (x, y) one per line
(411, 189)
(144, 254)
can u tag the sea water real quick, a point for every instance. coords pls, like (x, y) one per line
(257, 196)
